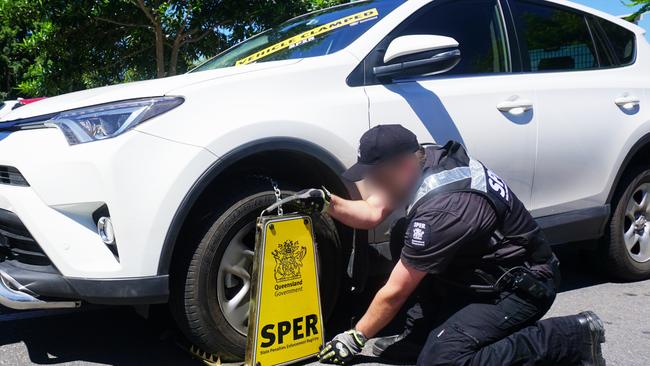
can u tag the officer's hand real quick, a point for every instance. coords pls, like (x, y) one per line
(342, 348)
(313, 200)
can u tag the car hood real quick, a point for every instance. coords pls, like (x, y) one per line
(140, 89)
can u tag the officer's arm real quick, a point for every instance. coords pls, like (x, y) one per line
(361, 214)
(388, 301)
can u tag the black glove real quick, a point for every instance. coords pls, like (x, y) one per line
(342, 348)
(313, 200)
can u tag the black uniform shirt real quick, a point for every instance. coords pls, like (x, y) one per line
(449, 230)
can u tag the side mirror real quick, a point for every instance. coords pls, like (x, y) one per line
(419, 55)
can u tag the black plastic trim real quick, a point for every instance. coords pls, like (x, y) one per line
(573, 226)
(638, 146)
(11, 221)
(268, 144)
(122, 291)
(512, 36)
(10, 175)
(36, 120)
(114, 291)
(18, 244)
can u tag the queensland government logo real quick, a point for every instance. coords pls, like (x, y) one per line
(288, 261)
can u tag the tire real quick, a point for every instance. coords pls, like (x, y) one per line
(202, 290)
(628, 234)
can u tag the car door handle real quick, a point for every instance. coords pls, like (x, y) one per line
(516, 107)
(627, 102)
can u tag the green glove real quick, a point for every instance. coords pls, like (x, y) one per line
(342, 348)
(313, 200)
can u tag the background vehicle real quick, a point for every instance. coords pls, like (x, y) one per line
(147, 192)
(9, 105)
(25, 101)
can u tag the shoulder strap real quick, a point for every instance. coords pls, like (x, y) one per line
(470, 178)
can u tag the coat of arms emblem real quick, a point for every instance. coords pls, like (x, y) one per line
(288, 260)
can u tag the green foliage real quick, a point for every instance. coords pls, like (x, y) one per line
(50, 47)
(644, 7)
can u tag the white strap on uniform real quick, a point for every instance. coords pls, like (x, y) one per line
(475, 171)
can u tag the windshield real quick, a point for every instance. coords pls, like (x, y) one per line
(316, 34)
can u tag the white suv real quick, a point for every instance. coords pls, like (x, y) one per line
(147, 192)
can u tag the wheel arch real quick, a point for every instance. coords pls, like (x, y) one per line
(637, 155)
(217, 173)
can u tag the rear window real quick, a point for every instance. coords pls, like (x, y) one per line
(622, 42)
(555, 39)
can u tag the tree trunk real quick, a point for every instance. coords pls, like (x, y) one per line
(160, 51)
(173, 58)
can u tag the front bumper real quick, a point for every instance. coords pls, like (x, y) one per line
(23, 289)
(29, 280)
(55, 250)
(13, 295)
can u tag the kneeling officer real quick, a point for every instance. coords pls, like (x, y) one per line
(468, 239)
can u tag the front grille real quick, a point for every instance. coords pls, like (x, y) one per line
(16, 243)
(11, 176)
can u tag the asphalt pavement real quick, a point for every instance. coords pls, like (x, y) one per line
(119, 336)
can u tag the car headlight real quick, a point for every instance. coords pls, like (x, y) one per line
(109, 120)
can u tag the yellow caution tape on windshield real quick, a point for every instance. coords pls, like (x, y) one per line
(309, 35)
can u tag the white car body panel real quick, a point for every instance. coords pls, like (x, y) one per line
(289, 103)
(430, 108)
(64, 180)
(144, 174)
(589, 164)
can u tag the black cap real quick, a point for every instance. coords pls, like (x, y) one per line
(379, 145)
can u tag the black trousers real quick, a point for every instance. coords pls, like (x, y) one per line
(501, 330)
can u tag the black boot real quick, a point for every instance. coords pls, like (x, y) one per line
(403, 348)
(592, 354)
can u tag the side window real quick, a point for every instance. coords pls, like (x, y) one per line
(621, 41)
(606, 57)
(554, 39)
(476, 25)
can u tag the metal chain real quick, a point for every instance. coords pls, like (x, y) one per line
(276, 191)
(278, 196)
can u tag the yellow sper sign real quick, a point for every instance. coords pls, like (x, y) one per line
(309, 35)
(285, 315)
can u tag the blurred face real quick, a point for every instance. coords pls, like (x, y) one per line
(398, 177)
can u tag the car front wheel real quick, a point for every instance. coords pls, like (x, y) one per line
(211, 288)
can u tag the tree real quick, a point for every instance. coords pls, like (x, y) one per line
(51, 47)
(179, 23)
(644, 7)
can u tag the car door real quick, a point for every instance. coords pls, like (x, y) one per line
(587, 98)
(480, 103)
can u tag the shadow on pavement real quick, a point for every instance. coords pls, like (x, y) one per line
(118, 336)
(578, 268)
(115, 336)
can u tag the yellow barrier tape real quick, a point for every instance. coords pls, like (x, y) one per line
(309, 35)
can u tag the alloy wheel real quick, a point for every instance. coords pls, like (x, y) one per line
(234, 278)
(636, 227)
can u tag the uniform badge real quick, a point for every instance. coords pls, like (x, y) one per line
(417, 234)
